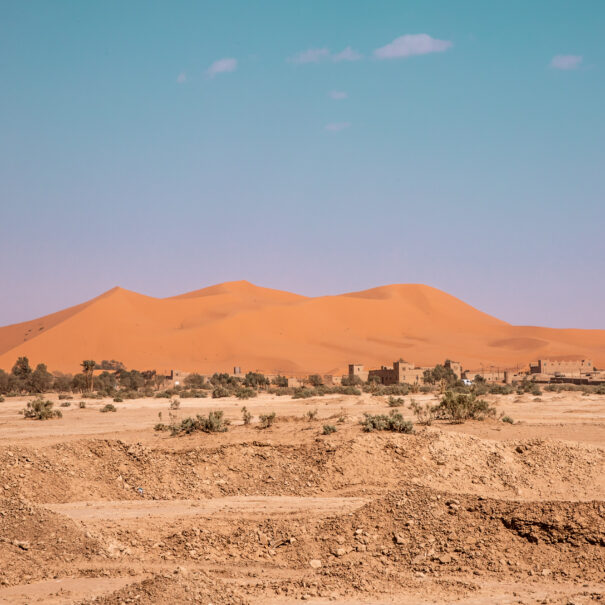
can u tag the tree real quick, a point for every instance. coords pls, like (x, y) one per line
(255, 380)
(4, 382)
(88, 369)
(280, 381)
(315, 380)
(22, 369)
(194, 381)
(40, 380)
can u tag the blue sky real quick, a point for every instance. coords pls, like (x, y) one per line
(318, 147)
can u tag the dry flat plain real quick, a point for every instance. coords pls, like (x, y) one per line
(100, 508)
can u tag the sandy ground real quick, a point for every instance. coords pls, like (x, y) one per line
(100, 508)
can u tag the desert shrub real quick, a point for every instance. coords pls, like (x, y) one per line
(311, 414)
(245, 393)
(266, 420)
(256, 380)
(381, 422)
(281, 391)
(39, 409)
(351, 381)
(246, 416)
(535, 390)
(194, 381)
(175, 404)
(109, 408)
(118, 399)
(193, 394)
(600, 389)
(500, 389)
(215, 422)
(395, 402)
(426, 389)
(1, 399)
(224, 379)
(280, 381)
(63, 396)
(65, 404)
(82, 405)
(346, 390)
(219, 392)
(507, 419)
(459, 407)
(328, 429)
(304, 393)
(392, 389)
(425, 413)
(315, 380)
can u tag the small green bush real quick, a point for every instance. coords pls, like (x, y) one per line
(311, 414)
(304, 393)
(459, 407)
(220, 392)
(395, 402)
(109, 408)
(507, 419)
(1, 399)
(246, 416)
(425, 413)
(175, 404)
(63, 396)
(215, 422)
(328, 429)
(82, 404)
(39, 409)
(381, 422)
(266, 420)
(118, 399)
(65, 404)
(245, 393)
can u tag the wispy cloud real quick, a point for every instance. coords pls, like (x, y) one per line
(181, 78)
(347, 54)
(566, 61)
(338, 95)
(337, 126)
(412, 44)
(222, 66)
(317, 55)
(312, 55)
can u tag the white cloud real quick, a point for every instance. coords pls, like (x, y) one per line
(566, 61)
(412, 44)
(222, 66)
(337, 126)
(348, 54)
(316, 55)
(181, 78)
(338, 95)
(312, 55)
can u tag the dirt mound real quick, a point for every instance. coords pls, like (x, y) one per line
(35, 543)
(258, 328)
(182, 586)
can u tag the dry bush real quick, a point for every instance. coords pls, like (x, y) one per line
(381, 422)
(266, 420)
(39, 409)
(459, 407)
(425, 413)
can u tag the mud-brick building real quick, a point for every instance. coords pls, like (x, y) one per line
(566, 367)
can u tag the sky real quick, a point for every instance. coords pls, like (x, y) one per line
(318, 147)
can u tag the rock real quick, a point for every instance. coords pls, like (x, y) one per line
(23, 545)
(447, 558)
(399, 539)
(339, 552)
(315, 563)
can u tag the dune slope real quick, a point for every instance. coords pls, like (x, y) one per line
(237, 323)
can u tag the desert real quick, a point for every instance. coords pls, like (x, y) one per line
(105, 508)
(302, 302)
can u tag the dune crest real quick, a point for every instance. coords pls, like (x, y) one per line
(239, 323)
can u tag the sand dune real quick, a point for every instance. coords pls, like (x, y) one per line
(237, 323)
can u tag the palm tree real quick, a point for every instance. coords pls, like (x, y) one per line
(88, 368)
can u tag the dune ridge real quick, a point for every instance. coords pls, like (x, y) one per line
(238, 323)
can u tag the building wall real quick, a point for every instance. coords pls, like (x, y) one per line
(553, 367)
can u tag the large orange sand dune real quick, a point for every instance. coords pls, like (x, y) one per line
(237, 323)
